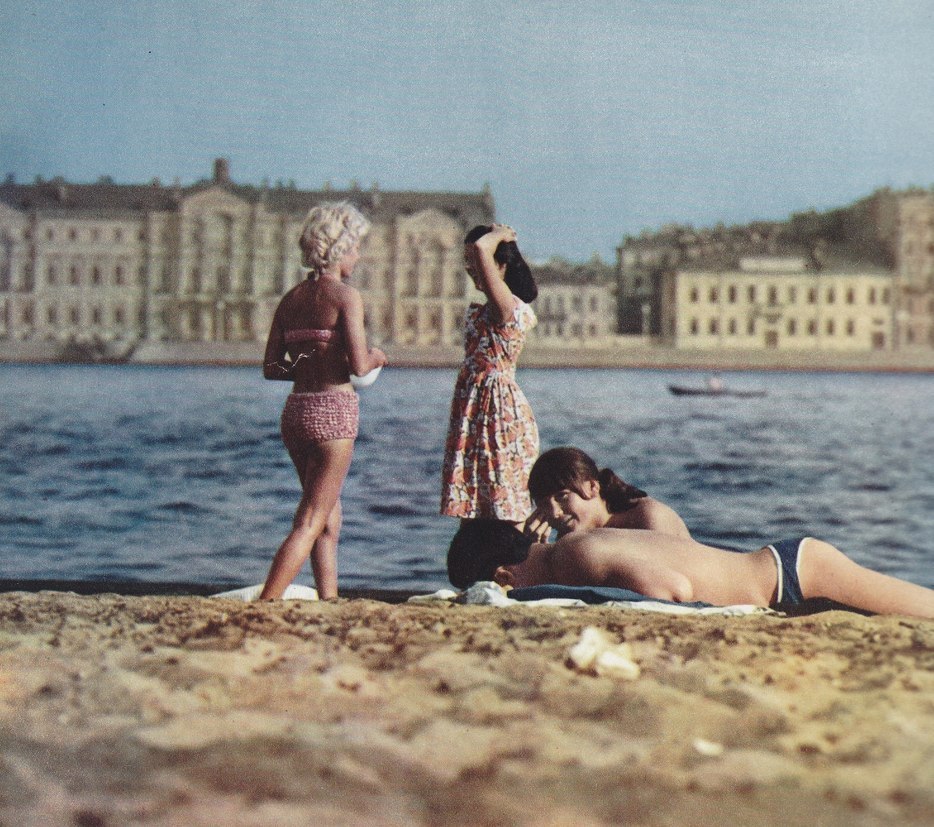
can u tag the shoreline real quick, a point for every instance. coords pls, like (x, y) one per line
(631, 356)
(186, 710)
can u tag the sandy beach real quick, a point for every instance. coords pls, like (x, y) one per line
(200, 711)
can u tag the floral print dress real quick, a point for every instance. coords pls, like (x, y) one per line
(492, 439)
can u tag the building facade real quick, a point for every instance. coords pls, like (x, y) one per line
(914, 263)
(117, 265)
(576, 304)
(777, 303)
(886, 233)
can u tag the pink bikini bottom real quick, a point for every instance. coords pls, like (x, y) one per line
(309, 418)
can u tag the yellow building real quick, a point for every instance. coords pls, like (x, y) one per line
(117, 265)
(777, 303)
(576, 305)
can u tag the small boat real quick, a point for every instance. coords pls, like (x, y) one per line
(685, 390)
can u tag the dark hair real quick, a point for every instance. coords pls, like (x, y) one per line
(570, 468)
(480, 547)
(518, 276)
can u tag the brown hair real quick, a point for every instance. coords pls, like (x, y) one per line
(569, 468)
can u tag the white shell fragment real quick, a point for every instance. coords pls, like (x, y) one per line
(597, 654)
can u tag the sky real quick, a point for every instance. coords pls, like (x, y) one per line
(590, 121)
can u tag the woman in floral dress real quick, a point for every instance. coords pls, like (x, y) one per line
(492, 438)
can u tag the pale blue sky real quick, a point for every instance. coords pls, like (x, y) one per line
(589, 120)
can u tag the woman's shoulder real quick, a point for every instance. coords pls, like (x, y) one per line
(655, 515)
(522, 316)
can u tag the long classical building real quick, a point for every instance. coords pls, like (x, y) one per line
(880, 245)
(116, 265)
(777, 303)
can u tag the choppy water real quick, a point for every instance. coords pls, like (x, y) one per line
(178, 474)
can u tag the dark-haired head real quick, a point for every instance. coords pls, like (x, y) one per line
(518, 275)
(480, 547)
(569, 469)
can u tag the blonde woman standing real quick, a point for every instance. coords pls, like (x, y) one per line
(317, 340)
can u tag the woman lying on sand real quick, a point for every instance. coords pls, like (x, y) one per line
(680, 569)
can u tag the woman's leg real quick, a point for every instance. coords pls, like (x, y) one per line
(328, 463)
(825, 571)
(324, 555)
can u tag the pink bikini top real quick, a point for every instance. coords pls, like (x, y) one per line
(312, 334)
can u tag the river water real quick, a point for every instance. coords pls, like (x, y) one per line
(178, 474)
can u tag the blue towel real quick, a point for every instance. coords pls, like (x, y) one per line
(588, 594)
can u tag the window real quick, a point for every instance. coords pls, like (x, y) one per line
(118, 275)
(751, 327)
(51, 274)
(792, 295)
(731, 327)
(74, 275)
(751, 292)
(74, 315)
(51, 315)
(96, 315)
(73, 234)
(119, 315)
(96, 275)
(714, 295)
(773, 297)
(731, 294)
(693, 295)
(694, 327)
(812, 327)
(812, 296)
(850, 296)
(850, 327)
(713, 326)
(830, 327)
(872, 295)
(792, 327)
(831, 295)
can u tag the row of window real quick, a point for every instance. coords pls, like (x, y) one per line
(575, 331)
(873, 295)
(120, 234)
(556, 304)
(792, 327)
(74, 315)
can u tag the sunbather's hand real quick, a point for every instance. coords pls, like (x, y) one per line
(536, 527)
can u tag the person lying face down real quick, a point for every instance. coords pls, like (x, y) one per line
(572, 494)
(680, 569)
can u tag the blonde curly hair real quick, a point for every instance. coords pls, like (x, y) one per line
(329, 232)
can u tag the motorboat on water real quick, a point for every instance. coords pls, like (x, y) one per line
(713, 387)
(684, 390)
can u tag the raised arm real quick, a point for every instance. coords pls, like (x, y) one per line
(500, 297)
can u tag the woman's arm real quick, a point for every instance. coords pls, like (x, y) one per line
(275, 365)
(360, 359)
(500, 297)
